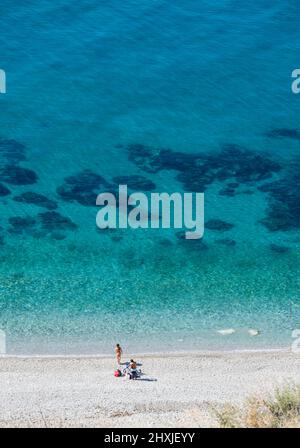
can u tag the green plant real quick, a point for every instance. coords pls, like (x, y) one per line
(284, 405)
(281, 409)
(227, 416)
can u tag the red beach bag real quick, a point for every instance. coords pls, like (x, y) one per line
(117, 373)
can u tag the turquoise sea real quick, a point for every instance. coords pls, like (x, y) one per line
(168, 96)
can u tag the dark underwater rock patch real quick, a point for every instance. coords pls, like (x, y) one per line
(284, 133)
(145, 157)
(135, 182)
(12, 151)
(82, 188)
(17, 175)
(279, 219)
(196, 179)
(219, 225)
(244, 165)
(4, 191)
(38, 234)
(54, 221)
(196, 244)
(283, 212)
(86, 180)
(283, 189)
(58, 236)
(226, 242)
(116, 239)
(20, 224)
(165, 242)
(178, 161)
(248, 192)
(279, 249)
(48, 224)
(197, 171)
(40, 200)
(2, 241)
(230, 192)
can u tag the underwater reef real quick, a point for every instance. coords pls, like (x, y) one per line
(238, 170)
(82, 187)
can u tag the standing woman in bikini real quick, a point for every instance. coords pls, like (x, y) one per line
(118, 352)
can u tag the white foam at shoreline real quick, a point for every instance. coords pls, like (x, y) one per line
(148, 354)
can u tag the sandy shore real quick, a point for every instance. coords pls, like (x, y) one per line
(176, 391)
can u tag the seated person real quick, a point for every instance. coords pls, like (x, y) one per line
(133, 369)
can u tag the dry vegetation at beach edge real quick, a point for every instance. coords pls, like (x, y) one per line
(280, 410)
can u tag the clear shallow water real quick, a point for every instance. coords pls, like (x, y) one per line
(86, 80)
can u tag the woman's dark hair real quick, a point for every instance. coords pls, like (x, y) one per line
(131, 360)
